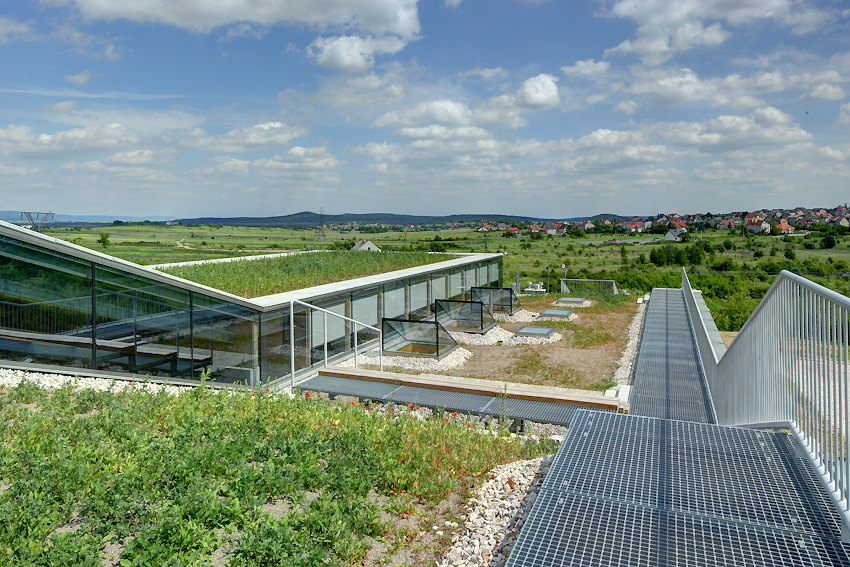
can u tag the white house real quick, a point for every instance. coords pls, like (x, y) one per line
(365, 245)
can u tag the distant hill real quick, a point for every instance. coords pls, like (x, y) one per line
(610, 217)
(61, 218)
(308, 219)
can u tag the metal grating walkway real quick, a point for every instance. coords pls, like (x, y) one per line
(515, 409)
(628, 490)
(668, 382)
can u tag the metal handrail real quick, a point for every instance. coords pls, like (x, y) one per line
(292, 304)
(789, 366)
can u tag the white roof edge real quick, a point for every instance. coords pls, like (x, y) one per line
(265, 303)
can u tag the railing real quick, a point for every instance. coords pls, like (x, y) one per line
(788, 367)
(325, 313)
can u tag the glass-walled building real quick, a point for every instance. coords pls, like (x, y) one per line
(66, 306)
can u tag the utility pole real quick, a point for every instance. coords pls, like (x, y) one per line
(321, 224)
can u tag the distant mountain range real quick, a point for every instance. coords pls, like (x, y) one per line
(15, 216)
(309, 219)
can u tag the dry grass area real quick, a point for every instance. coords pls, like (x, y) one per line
(585, 359)
(728, 337)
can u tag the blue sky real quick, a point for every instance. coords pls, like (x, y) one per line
(551, 109)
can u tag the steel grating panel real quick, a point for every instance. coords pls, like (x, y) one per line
(564, 529)
(348, 387)
(668, 382)
(455, 401)
(706, 542)
(542, 412)
(630, 490)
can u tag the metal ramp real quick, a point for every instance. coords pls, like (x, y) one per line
(664, 486)
(668, 382)
(628, 490)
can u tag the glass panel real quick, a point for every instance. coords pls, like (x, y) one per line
(143, 326)
(496, 273)
(470, 280)
(439, 289)
(228, 338)
(274, 346)
(419, 308)
(339, 340)
(416, 338)
(394, 301)
(456, 290)
(497, 299)
(483, 276)
(45, 306)
(463, 315)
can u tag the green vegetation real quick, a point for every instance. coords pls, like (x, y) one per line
(169, 480)
(733, 270)
(254, 278)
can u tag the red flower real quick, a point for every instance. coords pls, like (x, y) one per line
(469, 425)
(354, 403)
(447, 420)
(131, 383)
(308, 394)
(454, 413)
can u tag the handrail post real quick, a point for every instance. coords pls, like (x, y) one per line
(325, 336)
(355, 346)
(292, 344)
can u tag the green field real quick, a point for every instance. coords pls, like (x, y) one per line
(254, 278)
(262, 479)
(734, 271)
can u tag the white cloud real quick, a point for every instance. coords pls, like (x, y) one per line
(87, 44)
(844, 114)
(11, 30)
(441, 132)
(453, 3)
(64, 107)
(586, 68)
(666, 27)
(352, 53)
(80, 78)
(627, 107)
(396, 17)
(22, 141)
(368, 90)
(539, 93)
(824, 92)
(244, 30)
(493, 74)
(763, 126)
(442, 112)
(267, 135)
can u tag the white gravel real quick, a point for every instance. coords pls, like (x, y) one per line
(521, 316)
(421, 363)
(498, 334)
(623, 374)
(585, 303)
(11, 378)
(496, 514)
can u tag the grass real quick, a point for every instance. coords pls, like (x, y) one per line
(171, 480)
(254, 278)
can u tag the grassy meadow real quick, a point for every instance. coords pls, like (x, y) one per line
(250, 477)
(254, 278)
(734, 271)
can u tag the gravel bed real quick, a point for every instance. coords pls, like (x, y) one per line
(623, 374)
(585, 303)
(421, 363)
(11, 378)
(521, 316)
(496, 514)
(498, 334)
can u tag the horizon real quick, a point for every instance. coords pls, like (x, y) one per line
(235, 109)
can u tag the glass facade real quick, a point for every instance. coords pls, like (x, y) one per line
(465, 316)
(69, 308)
(502, 300)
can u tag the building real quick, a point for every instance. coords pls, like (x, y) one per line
(365, 246)
(73, 310)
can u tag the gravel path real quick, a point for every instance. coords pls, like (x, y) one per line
(521, 316)
(11, 378)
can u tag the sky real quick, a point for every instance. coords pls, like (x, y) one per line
(540, 108)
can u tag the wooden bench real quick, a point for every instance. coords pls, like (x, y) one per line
(482, 388)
